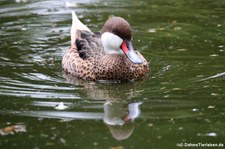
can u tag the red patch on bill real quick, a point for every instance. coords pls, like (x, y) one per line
(124, 47)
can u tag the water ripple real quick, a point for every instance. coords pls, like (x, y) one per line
(212, 77)
(18, 88)
(57, 114)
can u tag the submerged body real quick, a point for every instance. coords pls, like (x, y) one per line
(103, 56)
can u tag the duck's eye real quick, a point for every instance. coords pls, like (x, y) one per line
(115, 32)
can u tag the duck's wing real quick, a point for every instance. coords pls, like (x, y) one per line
(89, 44)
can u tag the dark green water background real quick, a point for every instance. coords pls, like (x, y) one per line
(181, 101)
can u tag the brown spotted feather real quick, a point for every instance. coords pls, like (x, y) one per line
(103, 67)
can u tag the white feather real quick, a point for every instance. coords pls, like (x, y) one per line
(76, 25)
(111, 43)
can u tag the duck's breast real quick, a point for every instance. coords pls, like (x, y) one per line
(119, 67)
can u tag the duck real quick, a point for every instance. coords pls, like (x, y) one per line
(105, 55)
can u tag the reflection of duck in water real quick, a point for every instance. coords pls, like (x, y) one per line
(119, 119)
(104, 56)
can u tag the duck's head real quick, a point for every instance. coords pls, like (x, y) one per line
(116, 38)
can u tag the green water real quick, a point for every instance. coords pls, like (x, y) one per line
(180, 103)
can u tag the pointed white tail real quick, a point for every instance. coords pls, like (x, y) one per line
(76, 25)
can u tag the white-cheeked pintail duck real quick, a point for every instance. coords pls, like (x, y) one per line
(105, 55)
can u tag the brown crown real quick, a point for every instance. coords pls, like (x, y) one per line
(118, 26)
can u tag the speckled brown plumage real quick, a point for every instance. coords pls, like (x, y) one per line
(119, 67)
(103, 67)
(87, 59)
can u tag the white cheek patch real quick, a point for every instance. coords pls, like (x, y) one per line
(111, 42)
